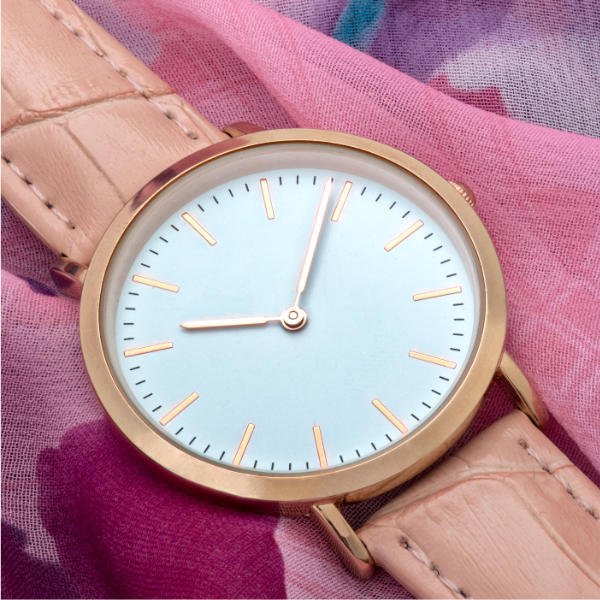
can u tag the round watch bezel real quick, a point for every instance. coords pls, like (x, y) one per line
(356, 481)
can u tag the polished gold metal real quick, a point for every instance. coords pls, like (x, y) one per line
(344, 539)
(170, 287)
(147, 349)
(320, 446)
(266, 194)
(179, 408)
(296, 493)
(237, 459)
(229, 322)
(313, 239)
(465, 192)
(389, 415)
(198, 228)
(403, 235)
(524, 395)
(436, 360)
(339, 207)
(437, 293)
(68, 276)
(293, 318)
(240, 128)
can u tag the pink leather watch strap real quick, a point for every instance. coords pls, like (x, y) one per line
(85, 124)
(507, 516)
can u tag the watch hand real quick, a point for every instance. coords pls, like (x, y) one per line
(313, 239)
(229, 322)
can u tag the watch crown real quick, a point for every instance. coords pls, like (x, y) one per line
(68, 276)
(465, 192)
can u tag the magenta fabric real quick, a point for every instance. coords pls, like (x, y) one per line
(83, 516)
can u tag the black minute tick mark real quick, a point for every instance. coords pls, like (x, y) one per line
(246, 186)
(200, 207)
(405, 214)
(428, 236)
(175, 228)
(377, 199)
(392, 204)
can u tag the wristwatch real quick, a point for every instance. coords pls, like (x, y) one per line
(285, 321)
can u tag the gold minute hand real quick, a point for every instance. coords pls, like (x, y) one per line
(313, 240)
(229, 322)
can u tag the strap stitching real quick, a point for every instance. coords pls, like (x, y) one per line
(422, 558)
(120, 71)
(38, 193)
(588, 509)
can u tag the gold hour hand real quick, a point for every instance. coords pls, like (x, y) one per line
(229, 322)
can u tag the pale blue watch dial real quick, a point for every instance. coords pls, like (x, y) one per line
(375, 360)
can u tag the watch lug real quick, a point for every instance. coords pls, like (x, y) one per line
(68, 276)
(345, 541)
(524, 396)
(465, 191)
(240, 128)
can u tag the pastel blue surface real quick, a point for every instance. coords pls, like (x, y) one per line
(362, 322)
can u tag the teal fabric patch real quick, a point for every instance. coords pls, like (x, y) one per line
(359, 22)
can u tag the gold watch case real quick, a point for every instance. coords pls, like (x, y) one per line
(295, 494)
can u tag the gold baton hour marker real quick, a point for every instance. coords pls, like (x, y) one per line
(237, 459)
(436, 360)
(147, 349)
(437, 293)
(320, 446)
(266, 194)
(198, 228)
(170, 287)
(389, 415)
(402, 236)
(339, 207)
(179, 408)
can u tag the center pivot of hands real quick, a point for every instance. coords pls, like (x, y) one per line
(294, 318)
